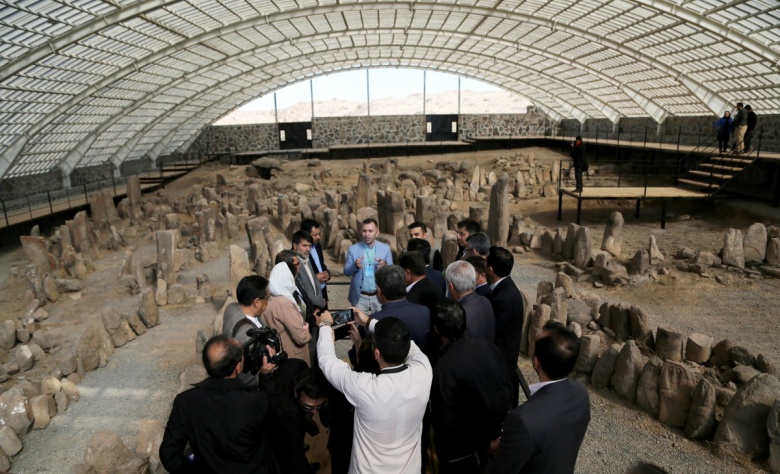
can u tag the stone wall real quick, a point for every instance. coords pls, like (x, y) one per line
(91, 174)
(22, 186)
(235, 138)
(329, 131)
(132, 167)
(532, 123)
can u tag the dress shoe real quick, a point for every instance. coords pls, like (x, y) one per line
(314, 467)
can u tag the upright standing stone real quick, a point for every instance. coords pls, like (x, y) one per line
(755, 243)
(283, 211)
(362, 196)
(36, 250)
(583, 248)
(426, 209)
(698, 348)
(390, 205)
(479, 214)
(147, 309)
(589, 354)
(669, 345)
(627, 370)
(620, 320)
(676, 392)
(166, 255)
(773, 428)
(97, 209)
(773, 252)
(568, 244)
(743, 427)
(449, 247)
(605, 366)
(733, 251)
(655, 253)
(647, 396)
(498, 219)
(538, 318)
(239, 266)
(613, 234)
(134, 192)
(80, 232)
(474, 184)
(701, 419)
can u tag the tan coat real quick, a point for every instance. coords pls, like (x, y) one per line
(283, 315)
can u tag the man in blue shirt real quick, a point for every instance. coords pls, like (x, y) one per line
(363, 259)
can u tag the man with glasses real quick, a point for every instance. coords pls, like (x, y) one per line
(300, 393)
(477, 244)
(252, 295)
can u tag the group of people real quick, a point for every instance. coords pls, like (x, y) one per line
(432, 351)
(742, 126)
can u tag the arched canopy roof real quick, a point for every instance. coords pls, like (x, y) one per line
(84, 82)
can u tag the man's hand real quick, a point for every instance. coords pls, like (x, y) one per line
(360, 317)
(359, 263)
(268, 367)
(354, 334)
(494, 444)
(325, 317)
(323, 277)
(380, 262)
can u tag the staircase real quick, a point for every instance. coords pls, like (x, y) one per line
(714, 172)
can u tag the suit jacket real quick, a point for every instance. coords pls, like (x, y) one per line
(480, 321)
(436, 277)
(291, 420)
(312, 290)
(507, 305)
(283, 315)
(545, 433)
(232, 316)
(469, 397)
(319, 264)
(483, 290)
(226, 422)
(351, 270)
(426, 293)
(416, 317)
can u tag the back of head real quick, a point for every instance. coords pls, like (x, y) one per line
(309, 224)
(500, 260)
(450, 319)
(392, 339)
(422, 246)
(557, 351)
(250, 288)
(470, 225)
(747, 107)
(312, 383)
(478, 263)
(462, 276)
(480, 242)
(287, 256)
(391, 281)
(413, 262)
(221, 355)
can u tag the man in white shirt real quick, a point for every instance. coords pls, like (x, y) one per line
(252, 295)
(389, 407)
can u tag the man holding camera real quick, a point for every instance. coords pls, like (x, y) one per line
(225, 418)
(389, 407)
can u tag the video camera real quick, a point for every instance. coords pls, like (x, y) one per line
(254, 349)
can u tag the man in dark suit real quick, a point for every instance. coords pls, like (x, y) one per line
(225, 418)
(470, 393)
(418, 230)
(482, 286)
(424, 247)
(317, 256)
(480, 321)
(391, 292)
(465, 228)
(544, 434)
(507, 302)
(419, 289)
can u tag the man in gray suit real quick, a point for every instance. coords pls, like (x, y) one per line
(307, 273)
(252, 295)
(480, 321)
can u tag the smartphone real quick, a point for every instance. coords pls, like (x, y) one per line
(342, 316)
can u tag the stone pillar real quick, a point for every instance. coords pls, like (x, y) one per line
(426, 210)
(134, 192)
(362, 198)
(449, 247)
(166, 255)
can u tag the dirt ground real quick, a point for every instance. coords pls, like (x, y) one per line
(741, 308)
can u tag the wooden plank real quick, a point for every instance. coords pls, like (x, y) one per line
(634, 193)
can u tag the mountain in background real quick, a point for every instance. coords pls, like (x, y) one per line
(440, 103)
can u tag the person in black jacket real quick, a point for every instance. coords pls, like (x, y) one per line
(469, 396)
(580, 164)
(300, 393)
(424, 248)
(752, 121)
(507, 302)
(225, 419)
(419, 288)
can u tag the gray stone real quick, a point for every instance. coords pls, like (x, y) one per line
(721, 352)
(499, 215)
(23, 357)
(568, 244)
(149, 438)
(743, 427)
(563, 280)
(15, 410)
(701, 422)
(647, 391)
(733, 251)
(765, 365)
(449, 247)
(89, 348)
(583, 248)
(773, 428)
(627, 370)
(135, 323)
(70, 388)
(579, 312)
(656, 256)
(707, 258)
(620, 320)
(605, 367)
(147, 309)
(740, 356)
(698, 348)
(558, 307)
(161, 294)
(50, 385)
(588, 355)
(773, 252)
(544, 288)
(743, 373)
(669, 345)
(539, 317)
(239, 266)
(755, 243)
(639, 327)
(42, 408)
(9, 441)
(613, 234)
(640, 262)
(676, 392)
(62, 401)
(7, 335)
(66, 285)
(105, 452)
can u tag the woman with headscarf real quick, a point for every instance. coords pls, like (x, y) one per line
(284, 313)
(723, 125)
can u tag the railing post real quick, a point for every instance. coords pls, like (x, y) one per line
(644, 158)
(162, 176)
(113, 183)
(67, 195)
(5, 214)
(698, 141)
(51, 208)
(86, 199)
(29, 207)
(677, 164)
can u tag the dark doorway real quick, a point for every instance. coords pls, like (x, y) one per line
(295, 135)
(441, 128)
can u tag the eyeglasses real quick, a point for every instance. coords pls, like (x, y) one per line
(314, 407)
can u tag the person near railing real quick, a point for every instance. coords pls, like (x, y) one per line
(740, 128)
(723, 125)
(752, 119)
(578, 157)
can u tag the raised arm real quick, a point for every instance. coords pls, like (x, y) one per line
(338, 372)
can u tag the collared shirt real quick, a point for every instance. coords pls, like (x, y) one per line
(409, 288)
(254, 320)
(534, 387)
(369, 267)
(315, 258)
(494, 285)
(307, 269)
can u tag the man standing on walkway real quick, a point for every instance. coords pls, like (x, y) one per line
(752, 120)
(580, 164)
(363, 258)
(740, 128)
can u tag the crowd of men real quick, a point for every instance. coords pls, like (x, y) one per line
(433, 352)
